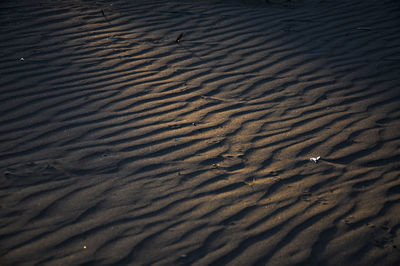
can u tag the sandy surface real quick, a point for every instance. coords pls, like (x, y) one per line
(180, 132)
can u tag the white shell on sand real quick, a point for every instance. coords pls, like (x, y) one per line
(315, 160)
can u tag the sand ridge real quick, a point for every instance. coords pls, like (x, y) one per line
(121, 145)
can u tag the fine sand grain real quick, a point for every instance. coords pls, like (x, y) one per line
(180, 132)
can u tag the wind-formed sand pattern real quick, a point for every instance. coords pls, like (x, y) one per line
(181, 132)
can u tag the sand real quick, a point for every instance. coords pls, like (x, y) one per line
(181, 132)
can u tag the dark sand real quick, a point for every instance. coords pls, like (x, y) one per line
(120, 146)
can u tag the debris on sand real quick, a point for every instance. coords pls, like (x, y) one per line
(315, 160)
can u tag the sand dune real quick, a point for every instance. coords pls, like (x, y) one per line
(180, 132)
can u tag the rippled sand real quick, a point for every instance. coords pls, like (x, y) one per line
(180, 133)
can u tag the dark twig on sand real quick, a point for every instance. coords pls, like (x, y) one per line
(178, 40)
